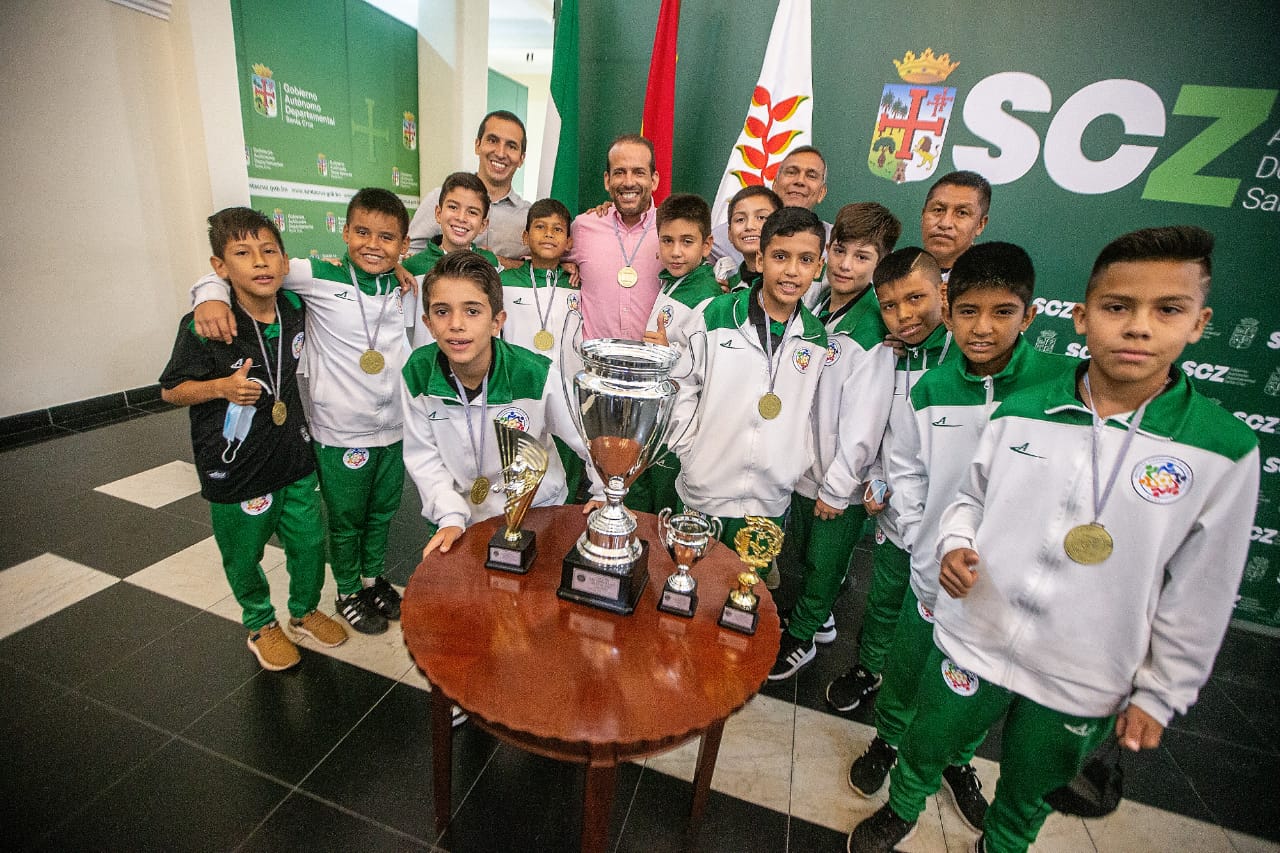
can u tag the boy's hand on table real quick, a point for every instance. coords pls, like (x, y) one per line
(443, 540)
(826, 511)
(239, 388)
(1136, 729)
(215, 321)
(958, 574)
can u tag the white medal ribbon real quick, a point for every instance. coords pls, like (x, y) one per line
(1100, 500)
(382, 309)
(551, 283)
(274, 387)
(617, 232)
(484, 417)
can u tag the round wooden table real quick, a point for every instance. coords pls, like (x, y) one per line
(575, 683)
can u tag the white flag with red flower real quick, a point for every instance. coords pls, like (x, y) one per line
(780, 117)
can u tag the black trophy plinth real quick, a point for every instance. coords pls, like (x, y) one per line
(678, 602)
(587, 583)
(738, 618)
(515, 557)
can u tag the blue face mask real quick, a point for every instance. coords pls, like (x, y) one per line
(235, 428)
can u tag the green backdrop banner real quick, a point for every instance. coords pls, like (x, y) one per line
(1092, 119)
(329, 95)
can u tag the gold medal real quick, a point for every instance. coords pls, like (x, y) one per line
(770, 406)
(544, 340)
(372, 362)
(479, 490)
(627, 276)
(279, 413)
(1088, 544)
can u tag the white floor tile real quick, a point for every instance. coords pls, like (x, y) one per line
(1135, 828)
(42, 586)
(194, 576)
(156, 487)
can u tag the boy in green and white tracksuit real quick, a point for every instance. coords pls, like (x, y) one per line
(357, 345)
(748, 403)
(1131, 497)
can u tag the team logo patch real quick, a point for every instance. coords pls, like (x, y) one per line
(801, 359)
(925, 613)
(667, 314)
(571, 300)
(256, 506)
(355, 458)
(913, 118)
(297, 344)
(514, 417)
(1162, 479)
(833, 352)
(961, 681)
(880, 537)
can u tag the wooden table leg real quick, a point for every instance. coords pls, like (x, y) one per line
(442, 757)
(707, 752)
(597, 805)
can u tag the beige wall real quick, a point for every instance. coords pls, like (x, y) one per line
(106, 184)
(453, 84)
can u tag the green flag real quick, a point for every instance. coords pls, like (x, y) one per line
(558, 176)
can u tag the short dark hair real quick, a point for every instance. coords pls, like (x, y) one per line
(685, 206)
(506, 115)
(809, 149)
(545, 207)
(1170, 243)
(965, 178)
(378, 200)
(236, 223)
(993, 265)
(468, 265)
(902, 263)
(465, 181)
(789, 221)
(867, 222)
(751, 191)
(631, 139)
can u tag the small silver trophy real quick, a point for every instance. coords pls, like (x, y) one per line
(757, 544)
(524, 463)
(687, 537)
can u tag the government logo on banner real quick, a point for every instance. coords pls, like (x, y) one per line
(409, 132)
(264, 91)
(913, 119)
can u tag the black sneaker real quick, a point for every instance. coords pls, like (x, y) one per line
(849, 690)
(793, 656)
(868, 772)
(383, 596)
(361, 614)
(459, 716)
(827, 633)
(880, 833)
(966, 793)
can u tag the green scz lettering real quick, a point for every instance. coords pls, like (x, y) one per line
(1238, 112)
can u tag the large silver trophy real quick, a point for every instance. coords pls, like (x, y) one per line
(621, 401)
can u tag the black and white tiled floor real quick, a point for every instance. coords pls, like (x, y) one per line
(135, 718)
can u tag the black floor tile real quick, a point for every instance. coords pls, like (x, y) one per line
(13, 552)
(383, 768)
(658, 817)
(182, 799)
(284, 723)
(1250, 659)
(60, 757)
(1216, 716)
(25, 695)
(120, 537)
(1153, 778)
(80, 641)
(803, 837)
(523, 802)
(301, 820)
(1236, 783)
(181, 675)
(192, 508)
(1261, 707)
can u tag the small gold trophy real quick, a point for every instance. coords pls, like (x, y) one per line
(757, 544)
(524, 463)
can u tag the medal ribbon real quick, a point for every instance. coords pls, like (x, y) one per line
(274, 388)
(1099, 501)
(484, 417)
(618, 233)
(772, 369)
(551, 284)
(382, 309)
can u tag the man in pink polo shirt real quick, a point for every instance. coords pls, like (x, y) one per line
(617, 253)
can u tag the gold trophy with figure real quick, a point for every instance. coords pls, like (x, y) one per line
(757, 544)
(524, 464)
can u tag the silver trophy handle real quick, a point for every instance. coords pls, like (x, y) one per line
(697, 408)
(570, 400)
